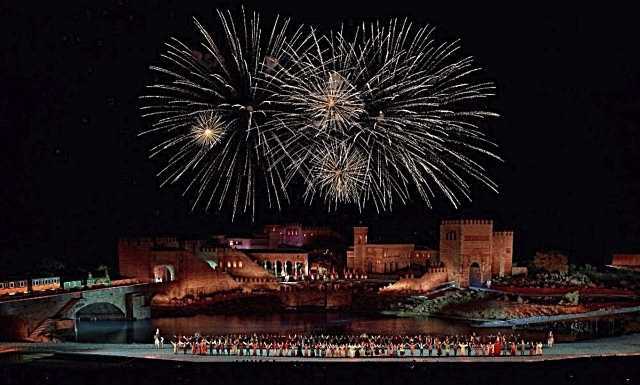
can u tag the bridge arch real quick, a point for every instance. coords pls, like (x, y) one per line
(100, 311)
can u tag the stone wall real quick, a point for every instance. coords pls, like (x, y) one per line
(22, 317)
(316, 297)
(502, 258)
(133, 259)
(626, 260)
(427, 282)
(198, 284)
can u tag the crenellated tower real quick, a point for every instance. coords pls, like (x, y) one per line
(359, 247)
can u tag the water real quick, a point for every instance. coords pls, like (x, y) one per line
(142, 331)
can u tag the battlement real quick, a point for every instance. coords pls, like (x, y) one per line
(467, 222)
(147, 242)
(136, 241)
(503, 234)
(433, 270)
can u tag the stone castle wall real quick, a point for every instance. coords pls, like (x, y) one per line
(502, 253)
(464, 243)
(626, 260)
(428, 281)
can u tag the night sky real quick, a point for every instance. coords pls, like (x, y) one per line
(75, 175)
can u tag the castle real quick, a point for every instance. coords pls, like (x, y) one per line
(470, 252)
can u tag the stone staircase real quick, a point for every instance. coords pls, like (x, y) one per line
(43, 332)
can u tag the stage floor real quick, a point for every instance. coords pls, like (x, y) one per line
(615, 346)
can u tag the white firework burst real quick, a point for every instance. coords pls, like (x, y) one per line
(338, 174)
(409, 105)
(376, 116)
(213, 97)
(334, 105)
(208, 130)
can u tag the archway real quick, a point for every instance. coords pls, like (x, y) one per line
(475, 275)
(164, 273)
(289, 268)
(99, 311)
(299, 269)
(278, 268)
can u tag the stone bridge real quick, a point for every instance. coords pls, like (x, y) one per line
(39, 318)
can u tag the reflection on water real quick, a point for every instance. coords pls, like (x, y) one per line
(142, 331)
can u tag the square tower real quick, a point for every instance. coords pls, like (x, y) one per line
(502, 253)
(359, 247)
(466, 250)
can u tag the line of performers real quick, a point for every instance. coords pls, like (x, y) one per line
(353, 346)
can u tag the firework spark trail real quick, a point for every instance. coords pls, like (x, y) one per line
(210, 107)
(390, 93)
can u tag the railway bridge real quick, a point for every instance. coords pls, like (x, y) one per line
(39, 318)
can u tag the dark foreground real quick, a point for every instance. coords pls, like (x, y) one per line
(62, 368)
(613, 360)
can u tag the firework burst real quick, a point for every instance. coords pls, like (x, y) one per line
(377, 116)
(209, 105)
(208, 130)
(338, 174)
(408, 105)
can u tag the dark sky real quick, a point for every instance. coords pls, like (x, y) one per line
(75, 176)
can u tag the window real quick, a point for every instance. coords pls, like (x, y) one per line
(229, 264)
(1, 285)
(10, 284)
(451, 236)
(240, 264)
(234, 263)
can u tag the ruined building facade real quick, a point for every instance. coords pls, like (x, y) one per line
(384, 257)
(471, 253)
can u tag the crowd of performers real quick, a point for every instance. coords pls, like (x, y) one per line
(353, 346)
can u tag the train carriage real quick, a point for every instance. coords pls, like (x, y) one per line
(14, 287)
(73, 285)
(43, 284)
